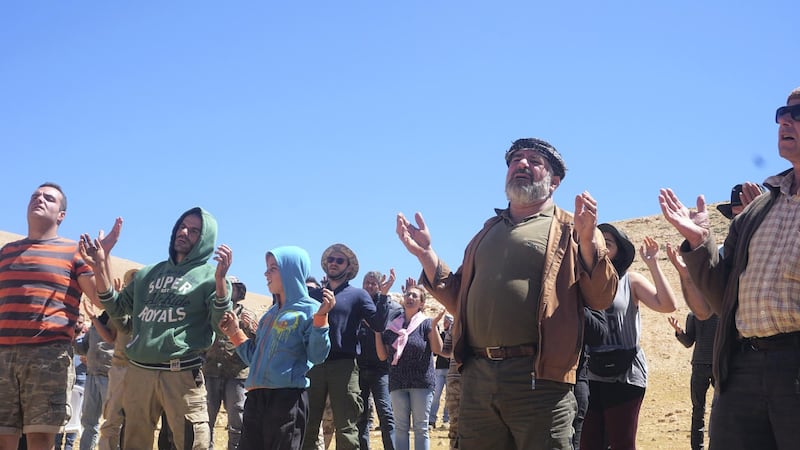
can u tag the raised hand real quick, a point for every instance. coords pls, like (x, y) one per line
(386, 283)
(410, 283)
(585, 216)
(92, 251)
(692, 225)
(677, 260)
(111, 240)
(223, 255)
(229, 324)
(649, 249)
(749, 193)
(249, 322)
(417, 239)
(328, 302)
(89, 309)
(438, 318)
(674, 322)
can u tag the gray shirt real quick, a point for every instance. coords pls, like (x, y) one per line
(624, 330)
(97, 351)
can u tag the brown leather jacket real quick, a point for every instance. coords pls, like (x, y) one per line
(567, 286)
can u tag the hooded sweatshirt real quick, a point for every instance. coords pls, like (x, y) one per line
(287, 343)
(173, 306)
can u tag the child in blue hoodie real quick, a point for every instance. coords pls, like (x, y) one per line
(292, 337)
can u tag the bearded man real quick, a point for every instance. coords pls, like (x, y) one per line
(518, 301)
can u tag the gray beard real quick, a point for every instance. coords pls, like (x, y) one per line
(534, 192)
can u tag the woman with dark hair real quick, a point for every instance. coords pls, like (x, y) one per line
(617, 366)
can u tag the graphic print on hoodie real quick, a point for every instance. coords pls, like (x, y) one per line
(287, 343)
(173, 307)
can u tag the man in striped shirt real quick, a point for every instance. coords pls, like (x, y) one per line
(42, 278)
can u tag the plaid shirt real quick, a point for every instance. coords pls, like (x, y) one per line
(769, 288)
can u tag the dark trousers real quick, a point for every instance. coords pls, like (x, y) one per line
(499, 410)
(613, 416)
(337, 379)
(582, 397)
(274, 419)
(700, 381)
(375, 381)
(759, 404)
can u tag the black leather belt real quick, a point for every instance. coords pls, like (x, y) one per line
(174, 365)
(783, 341)
(501, 353)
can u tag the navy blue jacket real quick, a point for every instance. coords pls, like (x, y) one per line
(352, 306)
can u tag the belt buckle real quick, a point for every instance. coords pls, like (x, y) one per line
(750, 344)
(175, 365)
(489, 354)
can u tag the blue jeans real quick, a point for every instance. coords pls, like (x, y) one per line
(759, 403)
(67, 438)
(441, 381)
(408, 405)
(375, 381)
(231, 392)
(94, 396)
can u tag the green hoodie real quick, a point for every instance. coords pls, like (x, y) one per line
(173, 306)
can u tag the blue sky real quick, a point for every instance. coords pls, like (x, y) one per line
(309, 123)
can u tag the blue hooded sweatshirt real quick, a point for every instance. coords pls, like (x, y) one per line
(287, 343)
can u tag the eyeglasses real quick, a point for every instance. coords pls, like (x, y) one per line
(336, 259)
(794, 110)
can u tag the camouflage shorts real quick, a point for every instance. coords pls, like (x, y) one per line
(35, 383)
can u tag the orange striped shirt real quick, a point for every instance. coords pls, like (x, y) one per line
(39, 291)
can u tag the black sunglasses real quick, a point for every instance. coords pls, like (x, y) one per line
(794, 110)
(337, 260)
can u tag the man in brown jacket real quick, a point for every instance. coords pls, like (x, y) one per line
(518, 301)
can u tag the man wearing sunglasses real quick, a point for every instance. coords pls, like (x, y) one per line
(337, 377)
(753, 287)
(517, 301)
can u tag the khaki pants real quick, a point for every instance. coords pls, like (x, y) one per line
(180, 395)
(113, 418)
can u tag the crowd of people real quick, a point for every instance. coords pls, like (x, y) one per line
(538, 344)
